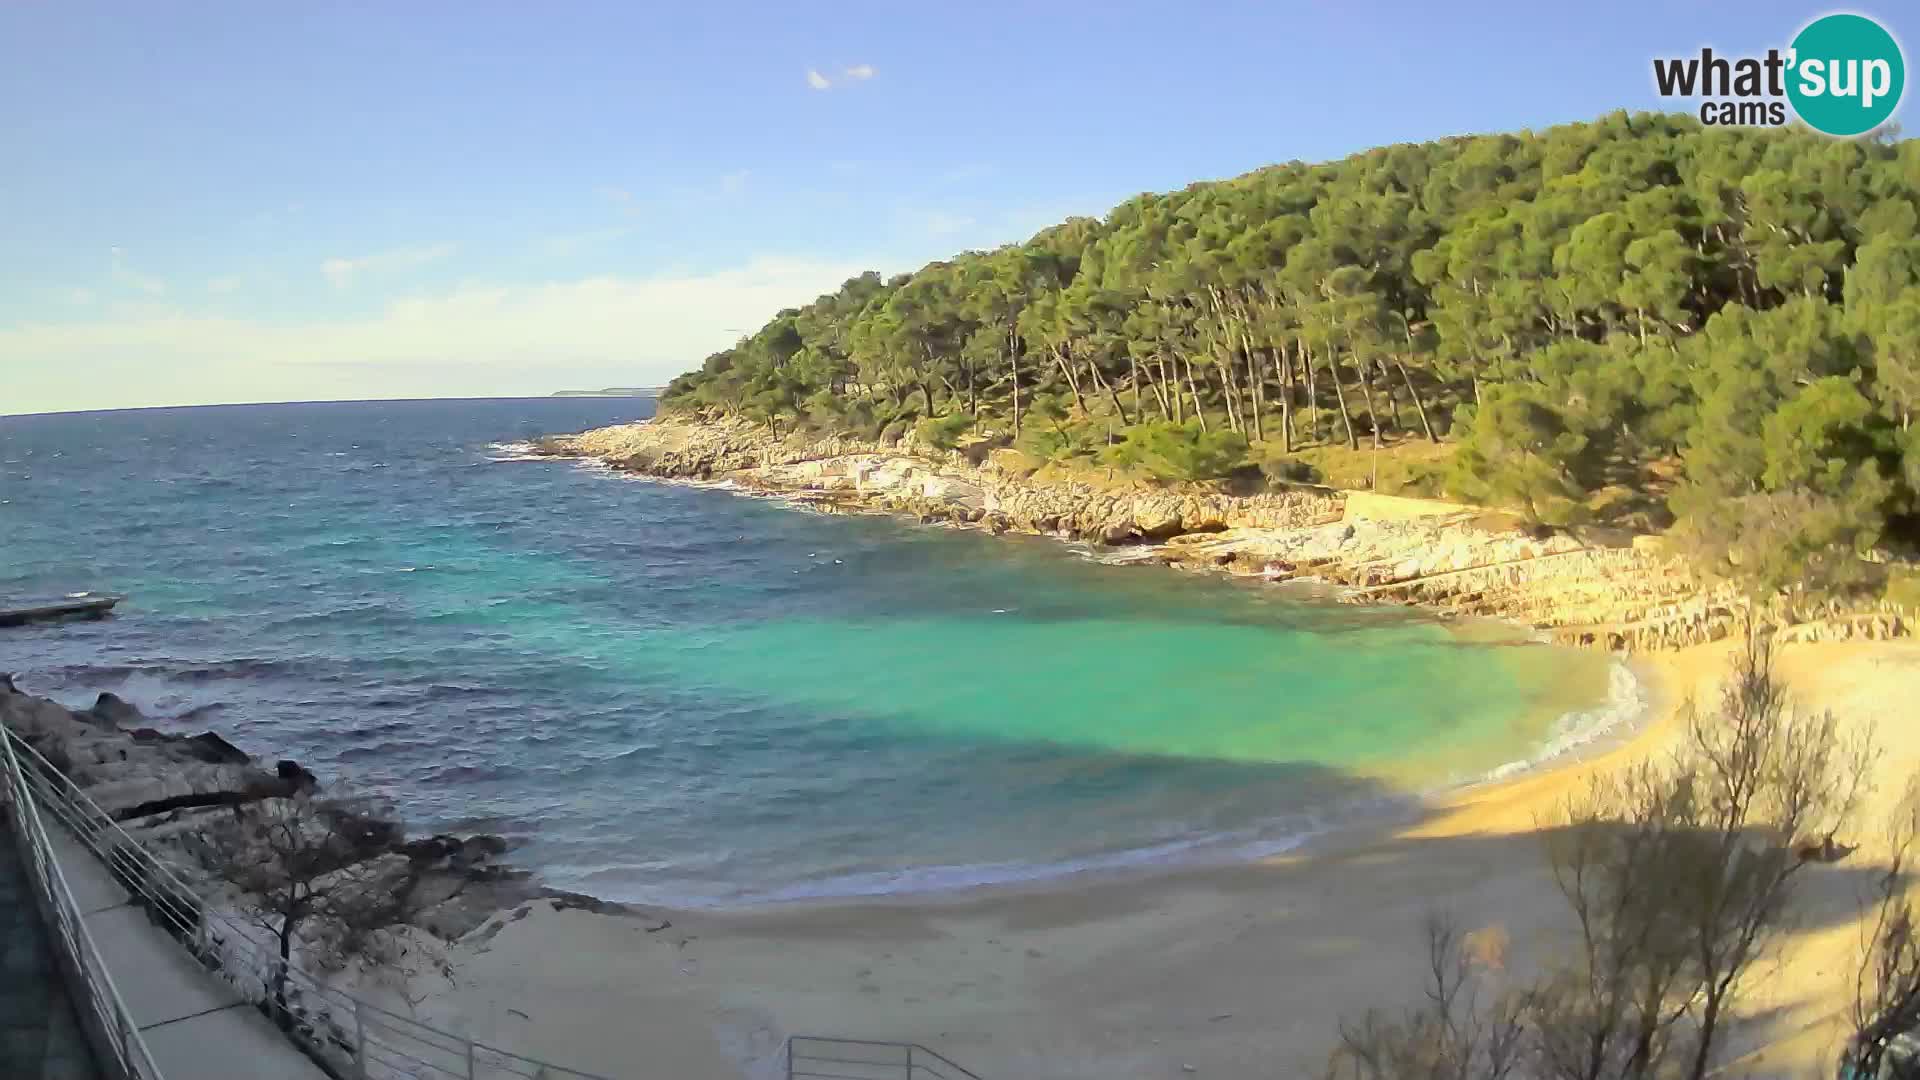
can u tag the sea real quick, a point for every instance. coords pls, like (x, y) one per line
(684, 695)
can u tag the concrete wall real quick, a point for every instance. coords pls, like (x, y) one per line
(1372, 506)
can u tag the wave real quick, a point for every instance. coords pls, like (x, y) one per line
(176, 690)
(1126, 556)
(452, 774)
(156, 696)
(243, 667)
(515, 451)
(1579, 730)
(373, 751)
(1199, 850)
(443, 691)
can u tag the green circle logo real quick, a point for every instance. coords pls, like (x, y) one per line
(1847, 74)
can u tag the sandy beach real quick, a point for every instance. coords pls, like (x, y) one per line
(1235, 971)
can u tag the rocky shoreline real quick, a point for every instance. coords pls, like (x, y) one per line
(1591, 588)
(165, 789)
(1621, 593)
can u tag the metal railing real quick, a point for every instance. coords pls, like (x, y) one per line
(347, 1035)
(104, 1016)
(814, 1057)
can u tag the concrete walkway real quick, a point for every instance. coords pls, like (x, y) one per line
(40, 1036)
(197, 1027)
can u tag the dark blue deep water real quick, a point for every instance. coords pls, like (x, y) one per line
(681, 695)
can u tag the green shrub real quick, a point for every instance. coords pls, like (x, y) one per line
(1051, 434)
(1281, 469)
(1518, 450)
(1179, 451)
(943, 431)
(1419, 478)
(1770, 541)
(894, 430)
(1062, 443)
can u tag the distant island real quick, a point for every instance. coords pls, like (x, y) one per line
(612, 391)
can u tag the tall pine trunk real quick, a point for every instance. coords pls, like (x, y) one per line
(1313, 394)
(1340, 397)
(1393, 396)
(1229, 392)
(1419, 406)
(1254, 381)
(1366, 391)
(1193, 391)
(1112, 395)
(1073, 383)
(1366, 400)
(1013, 355)
(1284, 368)
(1133, 374)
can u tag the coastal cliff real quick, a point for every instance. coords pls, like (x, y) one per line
(1599, 589)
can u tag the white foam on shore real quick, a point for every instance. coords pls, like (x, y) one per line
(925, 880)
(803, 502)
(1265, 840)
(1128, 556)
(1578, 730)
(514, 451)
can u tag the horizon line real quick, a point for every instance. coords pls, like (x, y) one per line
(557, 395)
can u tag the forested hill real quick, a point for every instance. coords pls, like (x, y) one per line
(1722, 324)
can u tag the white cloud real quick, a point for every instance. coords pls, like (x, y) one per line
(225, 284)
(476, 339)
(80, 297)
(734, 182)
(855, 73)
(342, 271)
(123, 273)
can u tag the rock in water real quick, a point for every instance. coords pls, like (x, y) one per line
(114, 711)
(295, 774)
(214, 750)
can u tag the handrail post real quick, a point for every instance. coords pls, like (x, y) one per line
(202, 941)
(470, 1059)
(359, 1042)
(909, 1061)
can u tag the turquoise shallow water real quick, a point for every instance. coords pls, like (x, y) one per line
(679, 695)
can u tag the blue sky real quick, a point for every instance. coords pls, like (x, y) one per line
(233, 202)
